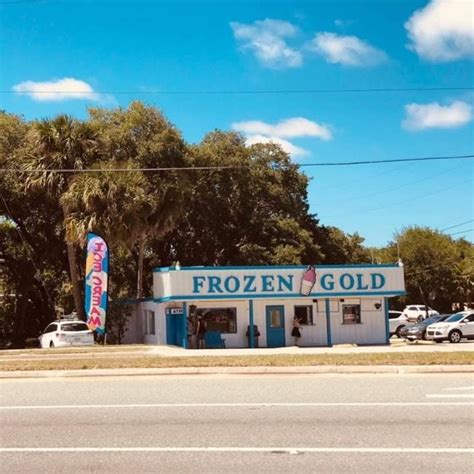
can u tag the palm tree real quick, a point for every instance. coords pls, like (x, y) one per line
(121, 207)
(143, 136)
(109, 203)
(62, 143)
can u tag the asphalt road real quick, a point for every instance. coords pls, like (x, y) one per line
(288, 423)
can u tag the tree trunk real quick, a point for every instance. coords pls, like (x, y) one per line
(75, 280)
(141, 254)
(19, 333)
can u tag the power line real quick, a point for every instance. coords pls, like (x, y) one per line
(457, 225)
(250, 91)
(410, 183)
(21, 1)
(462, 231)
(399, 160)
(226, 167)
(406, 201)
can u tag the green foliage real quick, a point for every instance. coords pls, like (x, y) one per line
(252, 211)
(255, 213)
(117, 318)
(438, 270)
(342, 248)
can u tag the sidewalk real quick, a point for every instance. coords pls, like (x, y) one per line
(290, 370)
(395, 346)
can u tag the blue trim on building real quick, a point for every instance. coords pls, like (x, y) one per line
(328, 324)
(132, 300)
(185, 325)
(387, 322)
(231, 297)
(275, 267)
(251, 333)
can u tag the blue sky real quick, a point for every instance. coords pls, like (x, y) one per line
(105, 47)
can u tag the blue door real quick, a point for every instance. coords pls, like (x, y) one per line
(275, 326)
(174, 327)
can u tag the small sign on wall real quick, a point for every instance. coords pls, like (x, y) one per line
(371, 305)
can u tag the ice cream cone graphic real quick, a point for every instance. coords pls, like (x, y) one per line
(308, 280)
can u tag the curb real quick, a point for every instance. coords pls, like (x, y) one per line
(297, 370)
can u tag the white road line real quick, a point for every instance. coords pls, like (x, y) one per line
(460, 388)
(239, 405)
(251, 449)
(450, 395)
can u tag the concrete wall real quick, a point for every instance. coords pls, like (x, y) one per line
(315, 335)
(371, 329)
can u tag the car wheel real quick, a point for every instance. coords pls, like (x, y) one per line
(397, 332)
(454, 336)
(51, 344)
(420, 318)
(423, 335)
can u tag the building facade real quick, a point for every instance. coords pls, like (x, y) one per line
(334, 304)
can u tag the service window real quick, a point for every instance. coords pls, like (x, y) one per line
(151, 322)
(304, 314)
(223, 320)
(351, 314)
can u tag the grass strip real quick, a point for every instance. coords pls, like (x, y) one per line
(76, 350)
(283, 360)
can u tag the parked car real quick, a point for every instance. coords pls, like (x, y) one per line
(453, 329)
(65, 333)
(418, 312)
(396, 321)
(412, 332)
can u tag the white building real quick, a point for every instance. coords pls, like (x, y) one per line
(334, 303)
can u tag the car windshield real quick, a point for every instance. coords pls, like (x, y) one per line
(432, 320)
(71, 327)
(455, 317)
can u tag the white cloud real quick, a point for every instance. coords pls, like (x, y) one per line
(443, 30)
(290, 128)
(434, 115)
(262, 132)
(54, 91)
(266, 39)
(347, 50)
(287, 146)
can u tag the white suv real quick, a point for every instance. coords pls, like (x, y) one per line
(417, 312)
(65, 333)
(453, 329)
(397, 320)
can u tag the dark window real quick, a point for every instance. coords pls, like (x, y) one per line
(223, 320)
(350, 313)
(304, 314)
(71, 327)
(392, 315)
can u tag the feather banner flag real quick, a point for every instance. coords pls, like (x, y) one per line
(97, 273)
